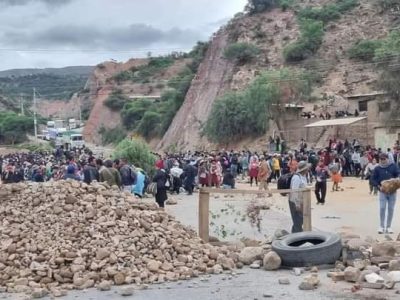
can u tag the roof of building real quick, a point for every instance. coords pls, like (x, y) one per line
(335, 122)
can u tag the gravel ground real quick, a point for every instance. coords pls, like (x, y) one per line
(250, 283)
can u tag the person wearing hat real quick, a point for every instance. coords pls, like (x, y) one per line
(385, 171)
(299, 181)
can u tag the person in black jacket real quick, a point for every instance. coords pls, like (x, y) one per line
(90, 171)
(228, 182)
(189, 173)
(161, 179)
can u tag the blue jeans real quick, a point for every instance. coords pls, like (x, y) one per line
(386, 200)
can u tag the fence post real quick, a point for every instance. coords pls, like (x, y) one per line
(307, 226)
(204, 207)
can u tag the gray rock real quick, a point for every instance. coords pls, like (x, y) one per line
(394, 265)
(363, 274)
(279, 233)
(127, 291)
(387, 248)
(298, 271)
(374, 269)
(374, 278)
(271, 261)
(39, 293)
(351, 274)
(104, 286)
(394, 276)
(255, 265)
(249, 254)
(283, 280)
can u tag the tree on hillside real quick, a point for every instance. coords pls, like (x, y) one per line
(14, 128)
(247, 113)
(241, 53)
(258, 6)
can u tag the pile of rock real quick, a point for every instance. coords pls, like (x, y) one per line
(66, 235)
(369, 263)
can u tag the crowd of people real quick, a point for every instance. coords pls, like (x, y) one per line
(184, 172)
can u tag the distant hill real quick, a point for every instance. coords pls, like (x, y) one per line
(73, 70)
(50, 83)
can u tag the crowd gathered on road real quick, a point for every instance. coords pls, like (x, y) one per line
(185, 172)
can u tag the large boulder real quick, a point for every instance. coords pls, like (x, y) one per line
(249, 254)
(271, 261)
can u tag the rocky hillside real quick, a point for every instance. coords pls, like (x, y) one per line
(112, 85)
(336, 76)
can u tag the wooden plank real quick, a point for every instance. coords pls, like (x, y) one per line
(204, 207)
(307, 226)
(251, 192)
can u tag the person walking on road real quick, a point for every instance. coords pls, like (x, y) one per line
(384, 171)
(263, 174)
(299, 181)
(322, 175)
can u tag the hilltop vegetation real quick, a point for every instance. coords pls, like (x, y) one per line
(51, 83)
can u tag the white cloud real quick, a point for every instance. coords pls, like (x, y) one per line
(103, 25)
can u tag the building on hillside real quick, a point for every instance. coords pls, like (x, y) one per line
(378, 107)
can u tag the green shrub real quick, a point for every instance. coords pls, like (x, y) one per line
(14, 128)
(312, 33)
(143, 74)
(327, 12)
(246, 113)
(312, 20)
(137, 152)
(116, 100)
(389, 47)
(134, 111)
(241, 52)
(259, 6)
(364, 49)
(147, 126)
(286, 4)
(113, 135)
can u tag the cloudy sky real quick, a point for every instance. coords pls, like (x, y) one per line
(56, 33)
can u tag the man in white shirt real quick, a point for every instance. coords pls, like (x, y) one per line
(298, 181)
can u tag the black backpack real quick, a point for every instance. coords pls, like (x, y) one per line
(284, 182)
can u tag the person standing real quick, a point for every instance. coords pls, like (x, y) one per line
(90, 172)
(276, 167)
(263, 174)
(322, 175)
(161, 179)
(109, 174)
(253, 173)
(384, 171)
(299, 181)
(369, 170)
(128, 175)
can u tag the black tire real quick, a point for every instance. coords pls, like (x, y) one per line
(326, 249)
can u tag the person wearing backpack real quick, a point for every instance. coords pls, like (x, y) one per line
(128, 176)
(298, 181)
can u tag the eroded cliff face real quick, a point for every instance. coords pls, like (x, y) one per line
(213, 78)
(339, 76)
(99, 88)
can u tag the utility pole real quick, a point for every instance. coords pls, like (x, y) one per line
(34, 112)
(21, 99)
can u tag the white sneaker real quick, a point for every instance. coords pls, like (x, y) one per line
(381, 230)
(389, 230)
